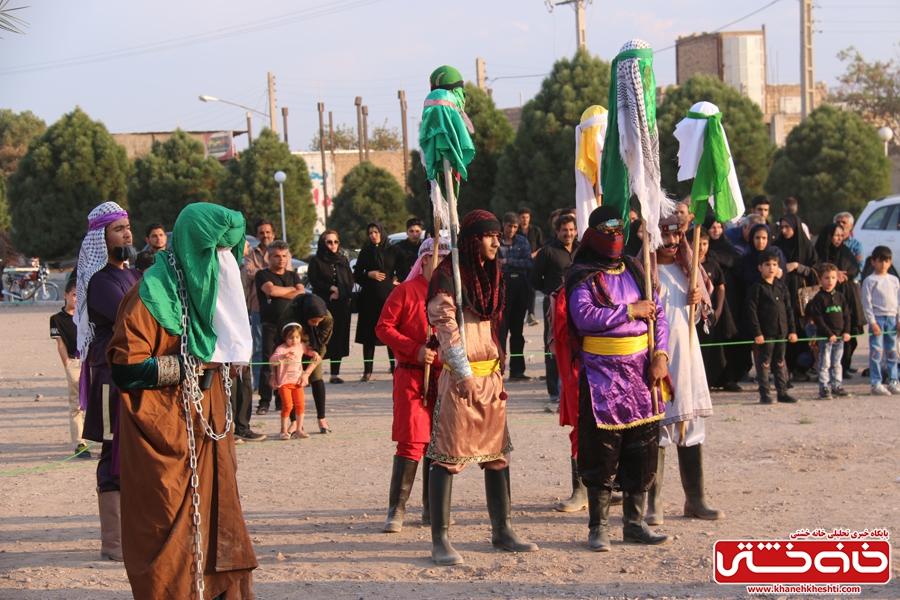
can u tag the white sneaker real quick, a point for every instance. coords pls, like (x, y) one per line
(880, 390)
(894, 388)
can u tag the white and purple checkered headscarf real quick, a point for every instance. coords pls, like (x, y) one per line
(92, 257)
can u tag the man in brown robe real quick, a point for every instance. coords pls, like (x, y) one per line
(152, 366)
(470, 414)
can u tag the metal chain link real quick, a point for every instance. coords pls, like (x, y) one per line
(193, 395)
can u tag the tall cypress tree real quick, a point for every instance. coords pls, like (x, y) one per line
(538, 169)
(249, 186)
(175, 173)
(71, 168)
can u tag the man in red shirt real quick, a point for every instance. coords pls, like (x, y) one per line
(403, 327)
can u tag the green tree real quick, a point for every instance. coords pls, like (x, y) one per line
(538, 168)
(742, 119)
(5, 221)
(368, 193)
(383, 137)
(175, 173)
(249, 186)
(345, 138)
(833, 161)
(492, 133)
(16, 132)
(872, 89)
(70, 169)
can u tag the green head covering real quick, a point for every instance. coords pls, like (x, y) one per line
(200, 229)
(448, 78)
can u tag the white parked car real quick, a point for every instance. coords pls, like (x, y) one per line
(879, 225)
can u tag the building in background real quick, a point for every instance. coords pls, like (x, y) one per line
(219, 144)
(739, 59)
(736, 57)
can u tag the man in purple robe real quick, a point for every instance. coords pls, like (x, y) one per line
(102, 281)
(618, 426)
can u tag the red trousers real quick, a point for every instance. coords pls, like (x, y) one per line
(292, 400)
(411, 450)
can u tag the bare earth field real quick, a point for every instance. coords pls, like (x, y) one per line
(315, 507)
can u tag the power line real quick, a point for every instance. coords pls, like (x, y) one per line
(202, 38)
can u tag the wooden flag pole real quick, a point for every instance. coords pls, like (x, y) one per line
(695, 268)
(434, 262)
(651, 329)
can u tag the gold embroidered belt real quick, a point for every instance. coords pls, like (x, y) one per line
(614, 346)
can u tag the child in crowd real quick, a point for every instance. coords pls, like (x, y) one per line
(880, 302)
(830, 313)
(290, 378)
(771, 317)
(62, 329)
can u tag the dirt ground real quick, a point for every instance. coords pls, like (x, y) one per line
(316, 524)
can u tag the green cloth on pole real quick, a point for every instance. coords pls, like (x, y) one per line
(444, 134)
(712, 173)
(199, 230)
(613, 172)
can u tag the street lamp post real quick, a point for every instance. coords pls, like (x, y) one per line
(886, 134)
(280, 177)
(205, 98)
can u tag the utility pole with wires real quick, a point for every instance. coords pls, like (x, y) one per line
(401, 94)
(807, 80)
(331, 146)
(249, 130)
(580, 26)
(479, 74)
(284, 116)
(359, 125)
(273, 118)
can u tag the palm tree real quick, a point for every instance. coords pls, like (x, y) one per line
(10, 22)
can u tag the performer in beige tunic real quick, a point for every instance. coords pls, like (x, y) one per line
(470, 415)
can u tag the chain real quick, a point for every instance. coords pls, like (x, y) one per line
(191, 394)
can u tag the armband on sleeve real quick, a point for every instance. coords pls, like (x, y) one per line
(455, 359)
(168, 371)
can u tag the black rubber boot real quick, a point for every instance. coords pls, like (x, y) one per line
(690, 463)
(402, 478)
(655, 511)
(578, 499)
(598, 524)
(440, 486)
(635, 528)
(426, 503)
(496, 488)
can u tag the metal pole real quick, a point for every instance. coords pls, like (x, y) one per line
(365, 115)
(284, 116)
(807, 85)
(359, 125)
(324, 167)
(454, 250)
(273, 120)
(333, 161)
(283, 223)
(402, 96)
(249, 130)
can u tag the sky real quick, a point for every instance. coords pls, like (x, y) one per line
(140, 66)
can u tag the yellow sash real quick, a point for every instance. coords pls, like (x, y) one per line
(608, 346)
(483, 368)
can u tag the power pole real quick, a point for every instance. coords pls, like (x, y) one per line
(273, 120)
(479, 74)
(284, 115)
(359, 125)
(249, 130)
(324, 167)
(365, 115)
(580, 27)
(402, 96)
(807, 82)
